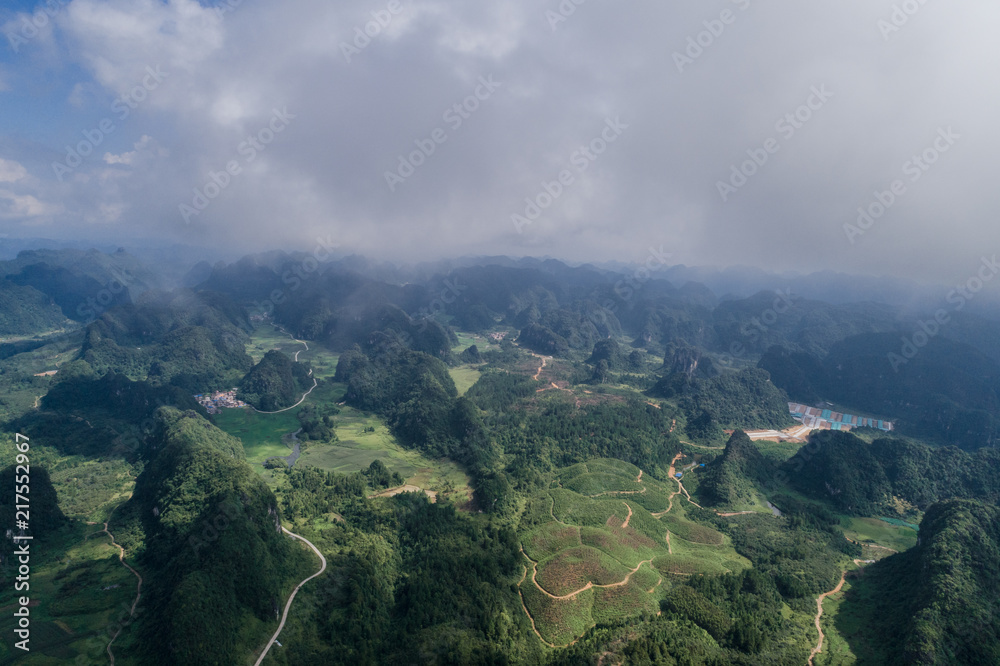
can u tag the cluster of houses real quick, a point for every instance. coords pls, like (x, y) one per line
(497, 337)
(216, 402)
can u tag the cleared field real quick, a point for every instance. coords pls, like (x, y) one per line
(571, 569)
(464, 377)
(558, 622)
(267, 337)
(607, 543)
(549, 539)
(625, 545)
(778, 452)
(611, 603)
(689, 531)
(896, 537)
(90, 489)
(361, 439)
(602, 483)
(260, 433)
(466, 340)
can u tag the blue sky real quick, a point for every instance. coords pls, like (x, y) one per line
(747, 132)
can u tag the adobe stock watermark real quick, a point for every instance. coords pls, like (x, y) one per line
(248, 149)
(899, 17)
(625, 289)
(122, 107)
(31, 27)
(225, 513)
(958, 298)
(363, 35)
(914, 168)
(580, 159)
(803, 455)
(453, 288)
(758, 326)
(786, 127)
(93, 306)
(714, 29)
(226, 7)
(455, 116)
(565, 9)
(98, 644)
(294, 278)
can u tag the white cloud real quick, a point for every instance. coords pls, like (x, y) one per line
(146, 147)
(20, 206)
(325, 172)
(11, 172)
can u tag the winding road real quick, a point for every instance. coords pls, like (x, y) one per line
(819, 613)
(138, 589)
(304, 395)
(291, 597)
(301, 400)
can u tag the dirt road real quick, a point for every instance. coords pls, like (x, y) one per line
(629, 516)
(589, 585)
(541, 367)
(138, 589)
(819, 613)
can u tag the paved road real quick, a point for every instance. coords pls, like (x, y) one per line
(291, 598)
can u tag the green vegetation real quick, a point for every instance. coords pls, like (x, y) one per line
(869, 480)
(873, 530)
(24, 309)
(199, 513)
(733, 478)
(746, 399)
(592, 535)
(464, 377)
(936, 603)
(274, 383)
(550, 518)
(946, 394)
(195, 341)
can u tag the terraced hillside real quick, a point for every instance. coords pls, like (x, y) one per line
(607, 541)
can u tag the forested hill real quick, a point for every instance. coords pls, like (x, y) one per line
(735, 476)
(196, 341)
(813, 350)
(948, 392)
(274, 383)
(938, 603)
(207, 532)
(863, 479)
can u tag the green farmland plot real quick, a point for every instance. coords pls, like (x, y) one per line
(599, 554)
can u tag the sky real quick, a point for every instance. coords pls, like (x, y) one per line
(852, 135)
